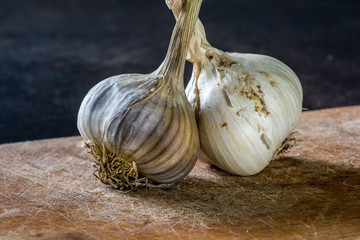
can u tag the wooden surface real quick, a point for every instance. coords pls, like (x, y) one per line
(48, 191)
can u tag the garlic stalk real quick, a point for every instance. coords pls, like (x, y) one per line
(246, 104)
(143, 123)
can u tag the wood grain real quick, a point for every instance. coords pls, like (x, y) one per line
(48, 191)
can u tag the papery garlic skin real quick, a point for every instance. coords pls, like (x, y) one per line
(146, 118)
(247, 104)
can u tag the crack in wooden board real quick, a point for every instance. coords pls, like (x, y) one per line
(48, 191)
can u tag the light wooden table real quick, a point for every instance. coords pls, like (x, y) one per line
(48, 191)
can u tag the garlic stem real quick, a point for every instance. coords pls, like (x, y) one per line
(198, 40)
(174, 63)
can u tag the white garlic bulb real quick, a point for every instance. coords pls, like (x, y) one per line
(143, 123)
(246, 105)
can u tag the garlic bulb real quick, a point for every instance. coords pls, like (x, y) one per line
(143, 123)
(246, 104)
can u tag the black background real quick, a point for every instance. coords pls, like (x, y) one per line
(53, 52)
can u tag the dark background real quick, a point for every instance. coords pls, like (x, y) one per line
(53, 52)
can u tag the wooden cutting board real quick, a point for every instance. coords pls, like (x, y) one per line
(48, 191)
